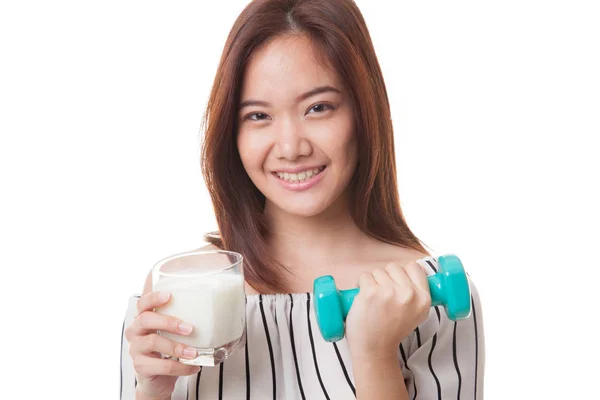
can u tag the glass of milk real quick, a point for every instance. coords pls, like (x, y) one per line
(207, 290)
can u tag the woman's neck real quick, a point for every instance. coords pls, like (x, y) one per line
(313, 244)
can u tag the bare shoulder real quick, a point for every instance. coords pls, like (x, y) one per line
(401, 255)
(208, 247)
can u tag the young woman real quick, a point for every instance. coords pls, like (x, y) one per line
(299, 160)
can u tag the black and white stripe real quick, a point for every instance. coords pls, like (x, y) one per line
(293, 342)
(312, 345)
(339, 356)
(262, 311)
(221, 380)
(474, 316)
(198, 375)
(455, 354)
(455, 359)
(405, 361)
(433, 341)
(247, 363)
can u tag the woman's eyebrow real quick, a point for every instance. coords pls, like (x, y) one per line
(304, 96)
(316, 91)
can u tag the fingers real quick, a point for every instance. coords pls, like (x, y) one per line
(398, 275)
(149, 321)
(152, 366)
(154, 343)
(408, 282)
(387, 288)
(366, 281)
(418, 276)
(150, 301)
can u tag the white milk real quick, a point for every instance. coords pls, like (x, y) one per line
(214, 304)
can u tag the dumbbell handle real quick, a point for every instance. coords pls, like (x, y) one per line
(435, 288)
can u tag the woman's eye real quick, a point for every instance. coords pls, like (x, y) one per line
(257, 116)
(319, 108)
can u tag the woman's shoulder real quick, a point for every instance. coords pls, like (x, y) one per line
(405, 255)
(385, 253)
(207, 247)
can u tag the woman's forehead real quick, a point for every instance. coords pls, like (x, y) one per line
(290, 64)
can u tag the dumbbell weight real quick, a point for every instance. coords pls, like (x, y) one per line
(448, 287)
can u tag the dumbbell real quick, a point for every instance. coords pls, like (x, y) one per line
(448, 287)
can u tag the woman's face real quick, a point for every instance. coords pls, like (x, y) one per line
(296, 133)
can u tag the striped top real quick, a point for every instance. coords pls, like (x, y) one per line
(285, 356)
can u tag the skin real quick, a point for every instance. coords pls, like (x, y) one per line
(282, 127)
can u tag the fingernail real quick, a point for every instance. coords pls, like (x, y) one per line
(186, 327)
(189, 352)
(163, 296)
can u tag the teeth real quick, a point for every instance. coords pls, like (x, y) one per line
(301, 176)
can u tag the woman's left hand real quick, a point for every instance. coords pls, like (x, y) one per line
(391, 303)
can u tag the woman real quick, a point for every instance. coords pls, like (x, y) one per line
(299, 160)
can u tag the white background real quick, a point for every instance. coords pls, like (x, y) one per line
(496, 107)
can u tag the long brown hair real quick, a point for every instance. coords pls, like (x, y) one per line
(338, 28)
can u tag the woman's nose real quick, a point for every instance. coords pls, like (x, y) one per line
(291, 142)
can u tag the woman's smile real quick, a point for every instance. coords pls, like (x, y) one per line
(302, 180)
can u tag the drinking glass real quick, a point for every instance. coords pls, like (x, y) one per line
(207, 290)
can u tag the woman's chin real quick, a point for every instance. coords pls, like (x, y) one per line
(301, 210)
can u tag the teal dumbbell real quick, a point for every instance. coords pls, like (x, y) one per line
(449, 287)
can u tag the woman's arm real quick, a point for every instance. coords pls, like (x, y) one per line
(379, 379)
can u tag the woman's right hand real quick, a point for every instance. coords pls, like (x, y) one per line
(156, 376)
